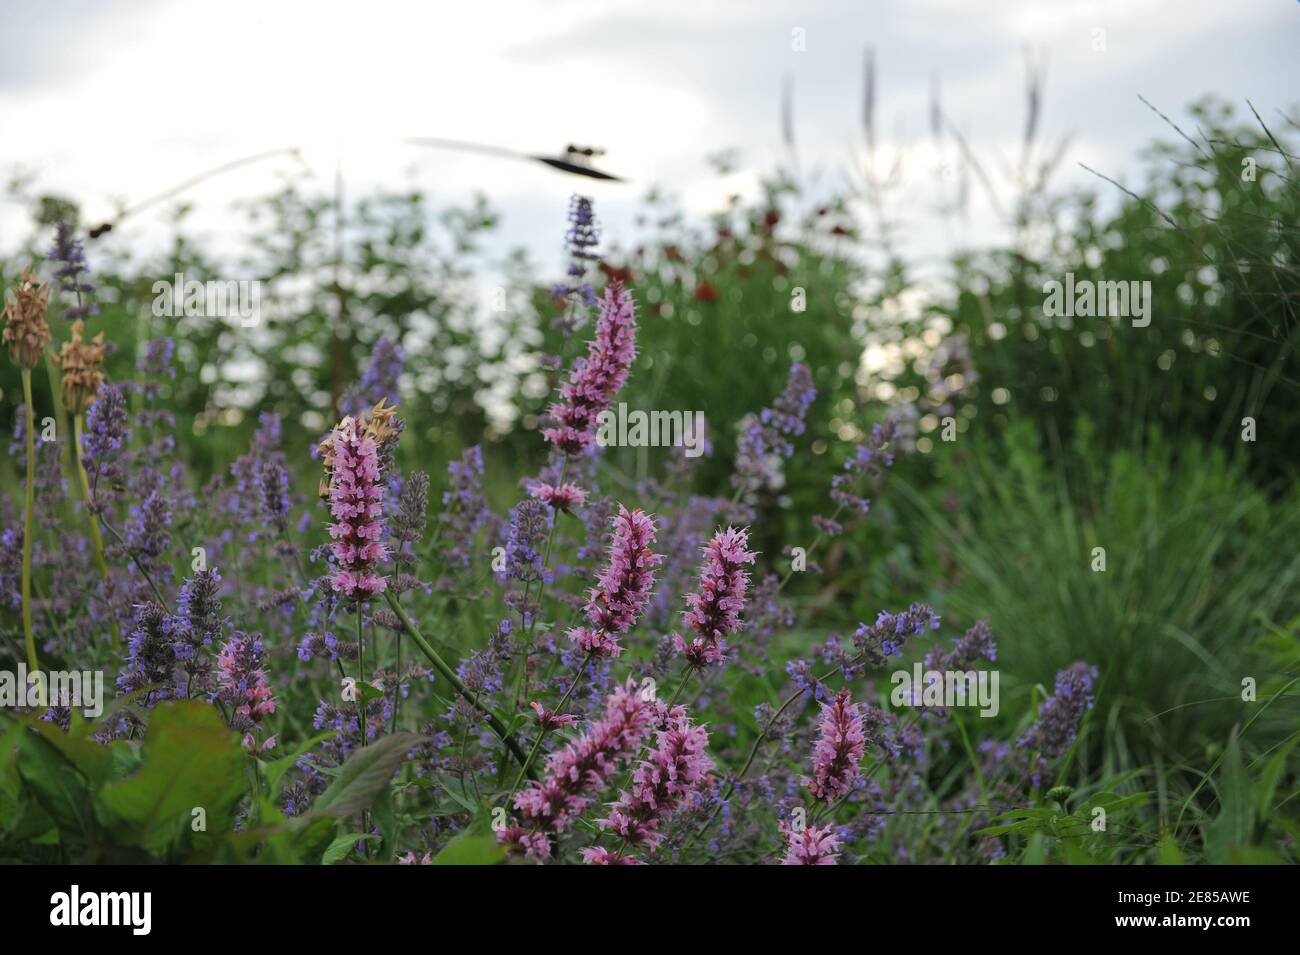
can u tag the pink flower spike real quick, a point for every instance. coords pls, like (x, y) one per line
(810, 846)
(714, 612)
(356, 495)
(623, 587)
(566, 497)
(595, 380)
(552, 721)
(668, 780)
(578, 771)
(599, 855)
(841, 744)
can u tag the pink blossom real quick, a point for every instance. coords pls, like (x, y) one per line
(597, 378)
(242, 685)
(549, 720)
(664, 782)
(810, 846)
(714, 612)
(575, 773)
(599, 855)
(566, 497)
(356, 496)
(623, 588)
(841, 744)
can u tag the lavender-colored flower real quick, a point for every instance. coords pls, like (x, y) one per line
(150, 656)
(412, 514)
(380, 382)
(595, 380)
(867, 461)
(157, 359)
(765, 440)
(581, 239)
(71, 274)
(196, 626)
(274, 487)
(714, 611)
(1061, 713)
(890, 632)
(464, 509)
(105, 437)
(530, 522)
(975, 644)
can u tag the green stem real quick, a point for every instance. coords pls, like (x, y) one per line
(361, 676)
(96, 538)
(521, 687)
(542, 733)
(29, 639)
(448, 674)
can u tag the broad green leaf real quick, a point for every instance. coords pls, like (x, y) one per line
(55, 784)
(367, 771)
(338, 849)
(191, 760)
(477, 845)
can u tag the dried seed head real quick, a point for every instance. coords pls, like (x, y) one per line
(26, 332)
(81, 362)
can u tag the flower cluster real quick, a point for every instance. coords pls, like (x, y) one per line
(578, 771)
(356, 497)
(810, 846)
(765, 440)
(1061, 713)
(242, 685)
(867, 461)
(714, 611)
(581, 239)
(26, 332)
(841, 744)
(667, 780)
(565, 497)
(597, 378)
(81, 363)
(69, 252)
(623, 588)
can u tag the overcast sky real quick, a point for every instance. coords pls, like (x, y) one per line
(118, 99)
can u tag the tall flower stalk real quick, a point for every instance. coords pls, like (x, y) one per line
(81, 380)
(354, 486)
(26, 333)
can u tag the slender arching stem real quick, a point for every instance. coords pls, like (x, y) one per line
(29, 639)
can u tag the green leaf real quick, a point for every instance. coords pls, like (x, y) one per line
(386, 821)
(94, 759)
(191, 760)
(1270, 777)
(477, 845)
(338, 849)
(55, 784)
(366, 773)
(1170, 853)
(1236, 813)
